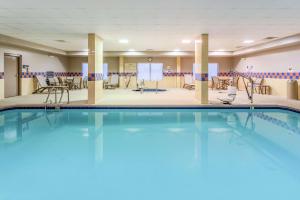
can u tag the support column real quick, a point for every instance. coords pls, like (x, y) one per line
(121, 72)
(201, 69)
(95, 60)
(178, 70)
(1, 74)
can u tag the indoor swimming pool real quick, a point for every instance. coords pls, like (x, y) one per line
(147, 154)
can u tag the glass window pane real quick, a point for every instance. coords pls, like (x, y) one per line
(143, 71)
(156, 71)
(213, 70)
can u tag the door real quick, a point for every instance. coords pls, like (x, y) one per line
(11, 78)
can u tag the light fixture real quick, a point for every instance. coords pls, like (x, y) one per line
(131, 50)
(176, 50)
(62, 41)
(248, 41)
(198, 41)
(123, 41)
(221, 50)
(270, 38)
(186, 41)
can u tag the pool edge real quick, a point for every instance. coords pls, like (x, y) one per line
(245, 106)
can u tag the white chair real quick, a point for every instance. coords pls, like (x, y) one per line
(188, 82)
(53, 81)
(231, 94)
(77, 82)
(113, 82)
(41, 83)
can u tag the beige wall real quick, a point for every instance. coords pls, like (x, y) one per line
(225, 63)
(37, 61)
(167, 61)
(75, 63)
(278, 60)
(168, 82)
(41, 62)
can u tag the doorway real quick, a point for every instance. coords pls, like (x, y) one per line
(12, 70)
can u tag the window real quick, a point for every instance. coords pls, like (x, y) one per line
(85, 70)
(150, 71)
(105, 71)
(213, 70)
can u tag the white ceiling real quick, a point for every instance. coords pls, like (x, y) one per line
(148, 24)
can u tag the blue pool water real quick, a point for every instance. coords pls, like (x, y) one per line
(149, 154)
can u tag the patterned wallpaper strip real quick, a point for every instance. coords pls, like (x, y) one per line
(275, 75)
(32, 74)
(168, 74)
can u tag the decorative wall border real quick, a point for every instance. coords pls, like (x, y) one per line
(95, 76)
(274, 75)
(64, 74)
(167, 74)
(1, 75)
(201, 76)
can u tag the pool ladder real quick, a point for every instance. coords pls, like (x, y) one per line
(56, 107)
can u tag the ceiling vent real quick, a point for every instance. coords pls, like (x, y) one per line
(270, 38)
(61, 41)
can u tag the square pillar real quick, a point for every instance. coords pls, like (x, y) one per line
(1, 74)
(95, 60)
(178, 70)
(201, 69)
(121, 72)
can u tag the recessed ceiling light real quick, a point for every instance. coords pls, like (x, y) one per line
(221, 50)
(176, 50)
(248, 41)
(186, 41)
(131, 50)
(123, 41)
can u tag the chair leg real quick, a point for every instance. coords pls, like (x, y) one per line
(49, 91)
(62, 93)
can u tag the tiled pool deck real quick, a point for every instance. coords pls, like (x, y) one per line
(172, 97)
